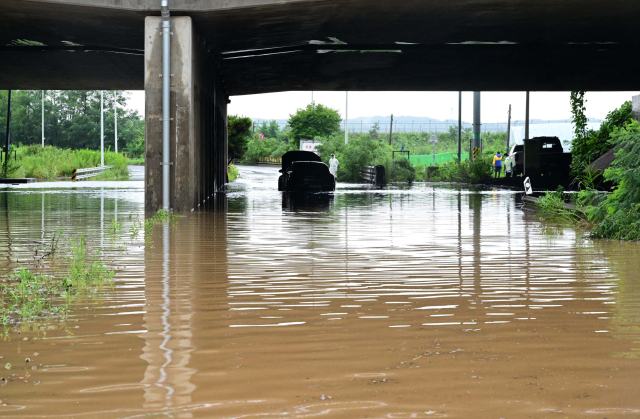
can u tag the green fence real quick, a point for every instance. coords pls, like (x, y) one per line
(427, 159)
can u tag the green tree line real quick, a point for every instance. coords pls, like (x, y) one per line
(71, 120)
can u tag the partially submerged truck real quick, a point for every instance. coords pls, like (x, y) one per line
(540, 156)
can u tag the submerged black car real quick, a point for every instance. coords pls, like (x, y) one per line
(302, 171)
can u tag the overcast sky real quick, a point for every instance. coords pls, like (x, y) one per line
(438, 105)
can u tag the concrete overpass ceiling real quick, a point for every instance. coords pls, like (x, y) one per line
(442, 44)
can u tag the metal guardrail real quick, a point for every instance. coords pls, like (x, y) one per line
(270, 160)
(373, 174)
(79, 174)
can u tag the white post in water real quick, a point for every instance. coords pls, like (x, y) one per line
(115, 117)
(43, 119)
(166, 95)
(346, 119)
(101, 128)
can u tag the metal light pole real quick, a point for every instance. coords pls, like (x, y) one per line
(101, 128)
(8, 135)
(459, 127)
(42, 118)
(526, 121)
(477, 142)
(115, 117)
(509, 129)
(166, 92)
(346, 120)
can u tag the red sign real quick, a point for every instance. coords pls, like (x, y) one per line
(261, 136)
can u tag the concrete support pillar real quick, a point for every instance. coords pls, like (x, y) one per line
(198, 118)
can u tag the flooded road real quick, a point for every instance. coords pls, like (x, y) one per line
(410, 302)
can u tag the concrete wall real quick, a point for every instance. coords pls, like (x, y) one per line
(636, 107)
(199, 118)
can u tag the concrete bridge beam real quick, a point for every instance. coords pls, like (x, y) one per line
(198, 128)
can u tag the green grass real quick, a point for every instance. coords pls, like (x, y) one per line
(27, 295)
(135, 161)
(552, 207)
(158, 218)
(469, 171)
(232, 172)
(52, 162)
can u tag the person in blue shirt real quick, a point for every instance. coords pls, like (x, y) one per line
(497, 164)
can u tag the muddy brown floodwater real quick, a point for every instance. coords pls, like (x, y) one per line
(409, 302)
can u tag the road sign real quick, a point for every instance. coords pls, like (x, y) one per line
(434, 139)
(476, 153)
(527, 187)
(261, 136)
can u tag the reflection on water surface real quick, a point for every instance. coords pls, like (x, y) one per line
(422, 301)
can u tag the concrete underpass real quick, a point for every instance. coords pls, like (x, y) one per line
(225, 48)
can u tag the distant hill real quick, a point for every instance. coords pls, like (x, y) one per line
(422, 123)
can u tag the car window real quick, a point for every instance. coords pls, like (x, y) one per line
(309, 167)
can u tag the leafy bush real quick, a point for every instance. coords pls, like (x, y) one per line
(588, 147)
(232, 172)
(52, 162)
(469, 171)
(401, 170)
(362, 151)
(552, 207)
(259, 148)
(135, 148)
(618, 215)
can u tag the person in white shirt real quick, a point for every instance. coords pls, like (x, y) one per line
(333, 165)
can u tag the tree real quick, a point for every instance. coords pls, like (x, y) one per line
(375, 129)
(72, 118)
(313, 121)
(238, 135)
(269, 129)
(590, 144)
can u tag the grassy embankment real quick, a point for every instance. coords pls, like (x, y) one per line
(52, 162)
(614, 215)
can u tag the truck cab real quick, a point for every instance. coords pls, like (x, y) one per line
(514, 161)
(540, 156)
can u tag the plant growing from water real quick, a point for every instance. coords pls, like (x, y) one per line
(552, 207)
(158, 218)
(26, 295)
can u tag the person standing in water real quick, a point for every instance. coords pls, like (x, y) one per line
(333, 165)
(497, 164)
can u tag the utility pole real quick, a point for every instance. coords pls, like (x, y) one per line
(526, 136)
(477, 142)
(508, 128)
(526, 119)
(42, 118)
(101, 128)
(346, 120)
(391, 129)
(460, 127)
(8, 135)
(115, 117)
